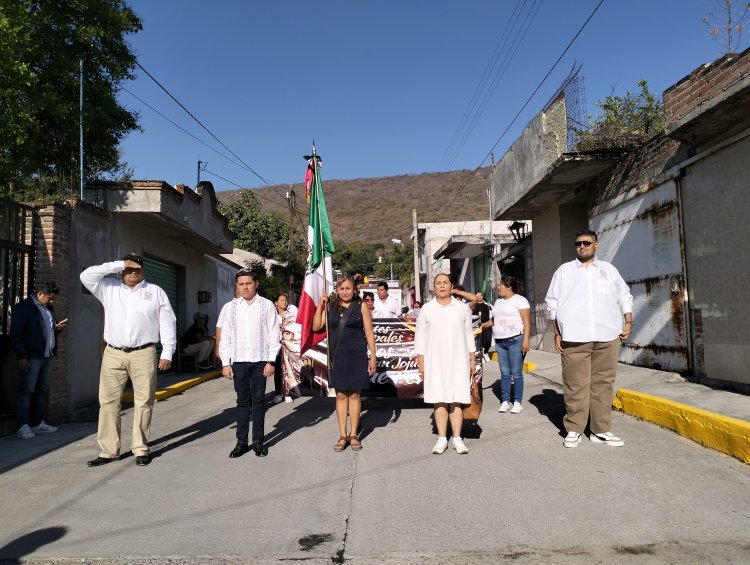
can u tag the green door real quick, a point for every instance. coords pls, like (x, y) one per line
(164, 275)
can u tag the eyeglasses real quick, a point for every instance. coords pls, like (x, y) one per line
(583, 243)
(368, 299)
(132, 270)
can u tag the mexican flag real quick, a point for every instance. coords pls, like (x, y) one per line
(319, 274)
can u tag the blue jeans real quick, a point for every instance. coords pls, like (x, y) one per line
(510, 358)
(32, 393)
(250, 386)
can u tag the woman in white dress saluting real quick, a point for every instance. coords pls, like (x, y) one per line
(444, 344)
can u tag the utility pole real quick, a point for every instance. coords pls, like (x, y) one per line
(291, 199)
(80, 114)
(417, 290)
(491, 245)
(198, 181)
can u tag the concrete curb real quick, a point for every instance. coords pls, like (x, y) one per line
(722, 433)
(177, 388)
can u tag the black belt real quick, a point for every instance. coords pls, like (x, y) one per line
(130, 349)
(506, 338)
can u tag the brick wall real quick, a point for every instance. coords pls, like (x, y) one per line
(705, 83)
(53, 263)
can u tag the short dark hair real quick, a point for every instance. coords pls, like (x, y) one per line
(134, 257)
(246, 273)
(417, 302)
(383, 284)
(509, 282)
(367, 294)
(279, 295)
(47, 287)
(590, 233)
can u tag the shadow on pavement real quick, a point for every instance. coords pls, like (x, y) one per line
(379, 413)
(192, 432)
(304, 415)
(551, 404)
(15, 452)
(28, 543)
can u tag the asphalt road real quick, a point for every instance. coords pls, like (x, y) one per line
(518, 496)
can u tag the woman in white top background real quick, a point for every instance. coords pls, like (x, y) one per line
(511, 328)
(444, 344)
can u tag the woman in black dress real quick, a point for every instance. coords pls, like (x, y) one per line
(349, 336)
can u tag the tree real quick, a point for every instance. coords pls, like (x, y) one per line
(728, 24)
(264, 233)
(401, 257)
(41, 44)
(625, 121)
(355, 257)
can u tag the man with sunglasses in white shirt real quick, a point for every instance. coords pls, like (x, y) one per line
(590, 306)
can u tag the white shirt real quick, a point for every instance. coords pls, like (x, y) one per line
(249, 331)
(507, 321)
(132, 317)
(387, 308)
(588, 301)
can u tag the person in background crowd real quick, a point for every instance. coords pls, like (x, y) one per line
(197, 340)
(444, 344)
(591, 309)
(33, 335)
(369, 299)
(250, 341)
(350, 335)
(482, 309)
(137, 315)
(415, 310)
(287, 313)
(511, 327)
(385, 306)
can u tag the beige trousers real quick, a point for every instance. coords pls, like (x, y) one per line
(588, 371)
(202, 350)
(117, 366)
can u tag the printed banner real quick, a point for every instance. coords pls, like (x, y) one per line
(396, 375)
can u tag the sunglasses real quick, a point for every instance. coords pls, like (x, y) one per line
(368, 299)
(583, 243)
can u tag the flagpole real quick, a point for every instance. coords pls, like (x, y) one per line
(317, 181)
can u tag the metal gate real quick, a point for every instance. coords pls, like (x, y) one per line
(642, 237)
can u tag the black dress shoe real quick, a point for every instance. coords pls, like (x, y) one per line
(143, 460)
(99, 461)
(238, 451)
(260, 450)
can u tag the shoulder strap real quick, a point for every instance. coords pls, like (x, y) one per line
(342, 323)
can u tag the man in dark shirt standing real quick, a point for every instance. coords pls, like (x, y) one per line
(33, 330)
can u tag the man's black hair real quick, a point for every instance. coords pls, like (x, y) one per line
(383, 284)
(47, 287)
(246, 273)
(590, 233)
(134, 257)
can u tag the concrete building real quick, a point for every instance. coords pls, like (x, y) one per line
(177, 230)
(670, 216)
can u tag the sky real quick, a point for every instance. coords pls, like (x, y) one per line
(383, 88)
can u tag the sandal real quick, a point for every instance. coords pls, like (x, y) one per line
(355, 443)
(340, 445)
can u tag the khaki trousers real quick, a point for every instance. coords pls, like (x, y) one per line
(202, 350)
(117, 366)
(588, 371)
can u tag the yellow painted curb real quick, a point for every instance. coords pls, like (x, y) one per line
(722, 433)
(177, 388)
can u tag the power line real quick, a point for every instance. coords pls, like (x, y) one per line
(189, 113)
(528, 100)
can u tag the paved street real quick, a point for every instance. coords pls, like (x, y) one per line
(517, 496)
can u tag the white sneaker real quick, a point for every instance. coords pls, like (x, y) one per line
(277, 399)
(44, 428)
(440, 446)
(517, 408)
(572, 439)
(486, 358)
(24, 432)
(288, 399)
(459, 446)
(503, 407)
(607, 437)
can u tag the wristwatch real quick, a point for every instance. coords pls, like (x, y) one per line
(272, 363)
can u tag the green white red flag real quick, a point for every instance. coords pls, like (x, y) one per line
(319, 273)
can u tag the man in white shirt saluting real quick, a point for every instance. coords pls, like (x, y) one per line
(250, 340)
(137, 316)
(586, 302)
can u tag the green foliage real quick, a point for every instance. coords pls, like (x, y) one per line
(355, 257)
(264, 233)
(41, 44)
(402, 259)
(625, 121)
